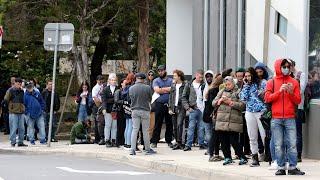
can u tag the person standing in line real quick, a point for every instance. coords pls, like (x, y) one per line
(300, 115)
(193, 104)
(151, 77)
(84, 101)
(162, 86)
(229, 120)
(140, 96)
(110, 129)
(252, 94)
(176, 109)
(283, 92)
(98, 124)
(46, 94)
(214, 143)
(15, 99)
(35, 110)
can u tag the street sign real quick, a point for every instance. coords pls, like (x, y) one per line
(65, 40)
(57, 37)
(1, 34)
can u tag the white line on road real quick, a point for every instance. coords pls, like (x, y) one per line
(131, 173)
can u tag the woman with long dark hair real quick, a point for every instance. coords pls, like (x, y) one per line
(84, 101)
(252, 94)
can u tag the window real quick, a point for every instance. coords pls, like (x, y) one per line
(281, 26)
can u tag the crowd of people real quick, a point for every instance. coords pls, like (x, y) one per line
(213, 111)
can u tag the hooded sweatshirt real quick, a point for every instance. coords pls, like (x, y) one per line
(283, 103)
(260, 65)
(206, 86)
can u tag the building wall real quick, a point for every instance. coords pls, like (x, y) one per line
(179, 45)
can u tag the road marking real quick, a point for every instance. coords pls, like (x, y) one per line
(131, 173)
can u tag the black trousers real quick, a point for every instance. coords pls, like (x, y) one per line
(178, 120)
(98, 124)
(121, 126)
(214, 143)
(230, 138)
(244, 139)
(161, 112)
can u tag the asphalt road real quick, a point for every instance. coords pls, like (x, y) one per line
(53, 167)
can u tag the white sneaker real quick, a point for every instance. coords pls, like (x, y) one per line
(273, 166)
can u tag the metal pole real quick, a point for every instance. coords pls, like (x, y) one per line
(205, 35)
(53, 82)
(239, 52)
(221, 38)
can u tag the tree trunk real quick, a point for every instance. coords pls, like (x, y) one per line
(143, 36)
(100, 51)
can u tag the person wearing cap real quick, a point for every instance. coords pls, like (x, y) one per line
(35, 109)
(162, 86)
(140, 95)
(96, 97)
(110, 119)
(15, 99)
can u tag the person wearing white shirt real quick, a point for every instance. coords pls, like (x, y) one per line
(96, 97)
(176, 109)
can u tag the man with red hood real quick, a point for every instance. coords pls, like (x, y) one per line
(283, 92)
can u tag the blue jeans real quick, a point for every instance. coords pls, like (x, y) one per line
(272, 149)
(83, 115)
(128, 132)
(40, 125)
(16, 122)
(195, 118)
(285, 138)
(205, 131)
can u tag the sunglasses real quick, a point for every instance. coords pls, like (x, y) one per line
(150, 74)
(286, 67)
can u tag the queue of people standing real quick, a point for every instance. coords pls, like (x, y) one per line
(214, 111)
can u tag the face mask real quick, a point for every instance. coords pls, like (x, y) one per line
(285, 71)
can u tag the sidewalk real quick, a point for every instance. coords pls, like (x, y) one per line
(192, 164)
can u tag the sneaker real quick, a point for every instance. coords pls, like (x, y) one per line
(22, 145)
(295, 171)
(54, 140)
(138, 150)
(132, 152)
(43, 142)
(32, 142)
(170, 145)
(154, 145)
(273, 166)
(108, 144)
(227, 161)
(211, 158)
(150, 152)
(262, 157)
(280, 172)
(187, 148)
(176, 147)
(102, 142)
(243, 161)
(202, 147)
(13, 145)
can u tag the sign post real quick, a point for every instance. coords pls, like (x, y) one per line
(57, 37)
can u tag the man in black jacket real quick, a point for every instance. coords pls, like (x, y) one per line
(46, 94)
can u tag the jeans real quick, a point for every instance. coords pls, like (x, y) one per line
(110, 127)
(205, 128)
(83, 115)
(128, 131)
(254, 126)
(285, 139)
(54, 125)
(272, 149)
(195, 118)
(40, 124)
(16, 122)
(140, 117)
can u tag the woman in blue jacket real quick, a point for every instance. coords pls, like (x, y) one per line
(252, 94)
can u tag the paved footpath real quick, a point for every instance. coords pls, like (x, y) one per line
(192, 164)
